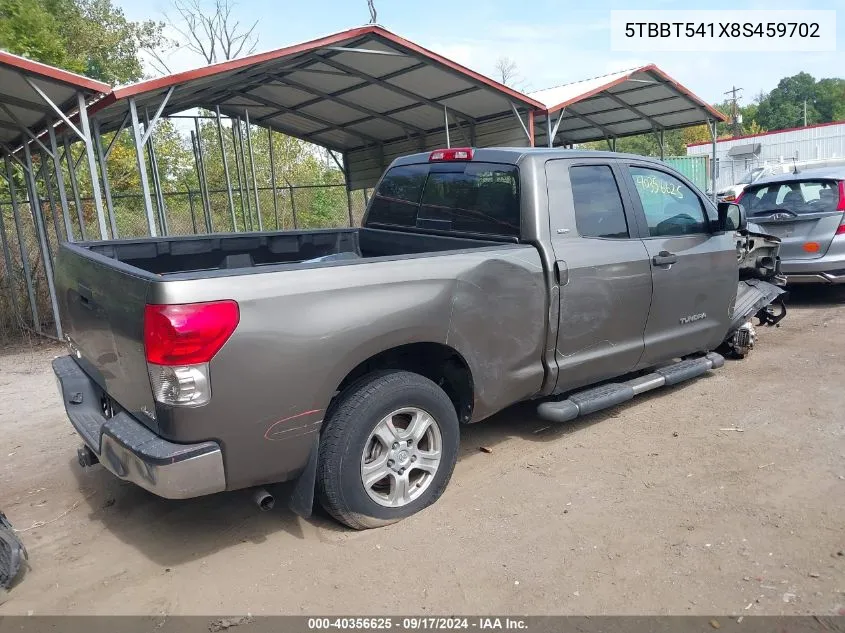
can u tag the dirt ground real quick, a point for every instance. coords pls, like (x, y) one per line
(652, 507)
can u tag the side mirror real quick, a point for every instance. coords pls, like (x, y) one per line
(731, 217)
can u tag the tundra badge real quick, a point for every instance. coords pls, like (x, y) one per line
(692, 318)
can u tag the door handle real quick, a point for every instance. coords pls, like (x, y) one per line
(664, 258)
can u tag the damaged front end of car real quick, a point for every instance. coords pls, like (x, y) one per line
(760, 293)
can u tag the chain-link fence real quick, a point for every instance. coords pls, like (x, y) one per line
(25, 306)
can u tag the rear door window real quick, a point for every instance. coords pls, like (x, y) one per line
(479, 198)
(810, 196)
(598, 204)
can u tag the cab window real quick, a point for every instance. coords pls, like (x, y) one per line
(670, 206)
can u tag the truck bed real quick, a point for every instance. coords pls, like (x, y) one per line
(221, 255)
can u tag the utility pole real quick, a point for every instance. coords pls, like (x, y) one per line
(805, 113)
(736, 117)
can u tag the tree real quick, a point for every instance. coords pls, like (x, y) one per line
(215, 35)
(783, 107)
(830, 100)
(91, 37)
(508, 74)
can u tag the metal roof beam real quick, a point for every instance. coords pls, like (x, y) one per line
(633, 109)
(348, 89)
(393, 88)
(618, 108)
(305, 115)
(349, 104)
(405, 108)
(25, 104)
(308, 136)
(591, 122)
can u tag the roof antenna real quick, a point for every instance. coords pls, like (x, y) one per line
(794, 166)
(373, 13)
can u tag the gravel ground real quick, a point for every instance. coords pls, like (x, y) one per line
(648, 508)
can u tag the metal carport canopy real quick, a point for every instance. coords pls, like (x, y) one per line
(365, 92)
(626, 103)
(21, 104)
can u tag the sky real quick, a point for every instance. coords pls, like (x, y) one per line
(552, 42)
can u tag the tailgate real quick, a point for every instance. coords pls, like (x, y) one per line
(102, 310)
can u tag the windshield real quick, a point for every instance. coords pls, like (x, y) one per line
(751, 176)
(810, 196)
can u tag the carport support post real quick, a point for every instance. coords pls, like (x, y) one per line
(252, 170)
(60, 181)
(74, 187)
(27, 271)
(104, 170)
(531, 128)
(40, 229)
(209, 223)
(7, 256)
(92, 165)
(142, 167)
(711, 126)
(238, 171)
(151, 150)
(660, 139)
(348, 190)
(446, 125)
(273, 176)
(191, 207)
(45, 174)
(243, 180)
(231, 199)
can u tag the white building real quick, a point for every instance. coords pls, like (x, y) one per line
(736, 156)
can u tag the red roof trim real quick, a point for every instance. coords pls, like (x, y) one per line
(222, 67)
(52, 73)
(789, 129)
(651, 68)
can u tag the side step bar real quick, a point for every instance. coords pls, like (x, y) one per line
(611, 394)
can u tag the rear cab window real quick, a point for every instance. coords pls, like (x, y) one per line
(801, 197)
(474, 198)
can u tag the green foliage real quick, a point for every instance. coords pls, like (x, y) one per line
(91, 37)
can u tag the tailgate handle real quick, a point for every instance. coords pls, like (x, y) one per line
(664, 258)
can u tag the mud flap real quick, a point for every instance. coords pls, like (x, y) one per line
(12, 553)
(302, 498)
(753, 296)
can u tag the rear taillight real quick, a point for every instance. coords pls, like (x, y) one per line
(453, 153)
(739, 197)
(179, 341)
(840, 230)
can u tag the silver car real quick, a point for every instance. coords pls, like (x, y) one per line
(806, 210)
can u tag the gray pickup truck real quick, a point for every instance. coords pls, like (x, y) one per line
(345, 360)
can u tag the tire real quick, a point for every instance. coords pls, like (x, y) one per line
(349, 431)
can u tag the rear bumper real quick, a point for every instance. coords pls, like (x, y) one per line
(130, 450)
(827, 269)
(832, 277)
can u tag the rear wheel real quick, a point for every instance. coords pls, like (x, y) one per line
(387, 450)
